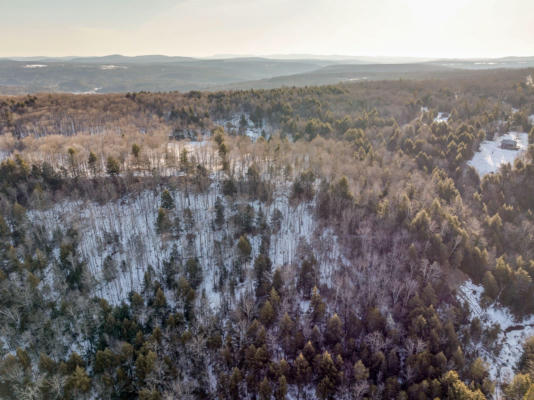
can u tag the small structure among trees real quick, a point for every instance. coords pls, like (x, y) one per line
(509, 144)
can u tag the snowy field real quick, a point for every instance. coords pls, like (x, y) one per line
(33, 66)
(112, 67)
(442, 117)
(513, 332)
(491, 156)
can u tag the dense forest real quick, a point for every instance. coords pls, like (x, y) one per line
(294, 243)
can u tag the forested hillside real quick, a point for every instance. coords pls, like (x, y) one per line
(325, 242)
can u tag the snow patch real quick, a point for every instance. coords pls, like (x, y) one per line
(93, 91)
(33, 66)
(442, 117)
(112, 67)
(491, 156)
(254, 132)
(511, 338)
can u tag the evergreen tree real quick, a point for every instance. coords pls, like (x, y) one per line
(92, 162)
(78, 383)
(267, 313)
(262, 270)
(334, 329)
(136, 149)
(159, 300)
(244, 247)
(361, 373)
(307, 276)
(193, 272)
(219, 212)
(303, 372)
(167, 202)
(163, 223)
(318, 307)
(265, 389)
(278, 281)
(281, 391)
(112, 166)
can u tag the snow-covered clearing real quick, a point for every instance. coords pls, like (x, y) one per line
(112, 67)
(531, 119)
(252, 131)
(513, 332)
(491, 156)
(442, 117)
(93, 91)
(31, 66)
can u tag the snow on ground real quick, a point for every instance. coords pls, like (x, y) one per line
(112, 67)
(531, 119)
(125, 230)
(252, 131)
(513, 332)
(35, 66)
(491, 156)
(93, 91)
(442, 117)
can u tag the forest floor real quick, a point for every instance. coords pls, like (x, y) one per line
(513, 331)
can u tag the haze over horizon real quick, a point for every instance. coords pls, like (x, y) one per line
(207, 28)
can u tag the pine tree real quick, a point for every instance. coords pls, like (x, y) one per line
(184, 162)
(194, 272)
(112, 166)
(46, 364)
(302, 372)
(361, 373)
(265, 389)
(276, 220)
(307, 276)
(286, 325)
(267, 313)
(136, 149)
(262, 270)
(159, 300)
(219, 212)
(309, 351)
(334, 329)
(79, 382)
(235, 383)
(244, 247)
(281, 391)
(278, 281)
(167, 202)
(318, 307)
(163, 224)
(92, 162)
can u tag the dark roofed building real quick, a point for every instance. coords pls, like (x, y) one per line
(509, 144)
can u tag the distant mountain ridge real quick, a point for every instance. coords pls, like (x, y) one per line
(118, 73)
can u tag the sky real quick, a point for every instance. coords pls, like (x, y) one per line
(203, 28)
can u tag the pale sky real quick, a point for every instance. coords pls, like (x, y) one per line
(424, 28)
